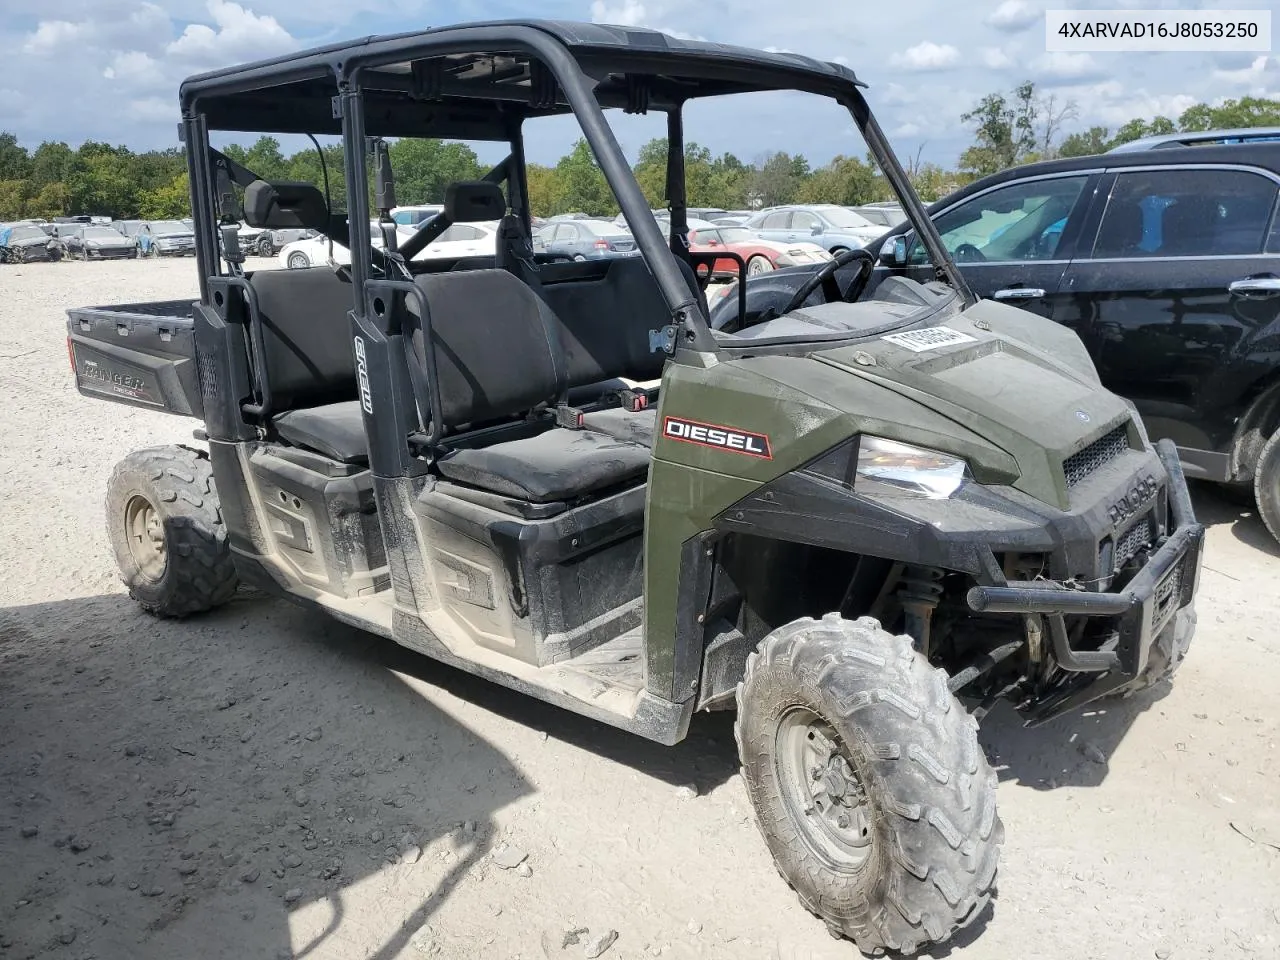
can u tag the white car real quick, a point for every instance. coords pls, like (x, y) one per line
(460, 240)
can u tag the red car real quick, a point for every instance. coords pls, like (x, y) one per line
(761, 256)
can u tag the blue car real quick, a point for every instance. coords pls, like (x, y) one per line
(584, 240)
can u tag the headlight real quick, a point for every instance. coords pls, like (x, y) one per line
(890, 468)
(785, 260)
(823, 255)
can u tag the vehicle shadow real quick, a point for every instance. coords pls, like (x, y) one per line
(240, 784)
(707, 757)
(1217, 505)
(1070, 751)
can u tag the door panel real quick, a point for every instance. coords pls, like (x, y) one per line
(1155, 296)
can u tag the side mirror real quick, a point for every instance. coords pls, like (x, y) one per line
(894, 252)
(817, 230)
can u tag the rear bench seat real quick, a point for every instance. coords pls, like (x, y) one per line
(309, 361)
(509, 362)
(311, 370)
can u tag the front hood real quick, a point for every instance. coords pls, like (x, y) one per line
(1011, 382)
(175, 236)
(30, 242)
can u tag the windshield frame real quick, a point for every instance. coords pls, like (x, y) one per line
(99, 232)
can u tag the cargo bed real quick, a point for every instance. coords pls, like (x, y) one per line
(141, 354)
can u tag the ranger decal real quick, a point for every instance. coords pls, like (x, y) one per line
(713, 435)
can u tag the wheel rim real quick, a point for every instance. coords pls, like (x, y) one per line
(757, 266)
(145, 530)
(298, 262)
(823, 793)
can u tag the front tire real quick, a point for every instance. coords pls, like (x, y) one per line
(166, 529)
(265, 246)
(298, 261)
(868, 783)
(758, 265)
(1266, 484)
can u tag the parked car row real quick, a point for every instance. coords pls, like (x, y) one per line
(97, 238)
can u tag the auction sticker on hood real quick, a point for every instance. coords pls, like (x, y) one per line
(929, 338)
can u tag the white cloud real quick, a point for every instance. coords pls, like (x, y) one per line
(926, 55)
(132, 65)
(240, 35)
(1112, 103)
(1012, 16)
(628, 13)
(154, 109)
(1067, 66)
(993, 58)
(1255, 73)
(51, 35)
(906, 130)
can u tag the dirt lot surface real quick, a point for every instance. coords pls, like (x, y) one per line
(263, 782)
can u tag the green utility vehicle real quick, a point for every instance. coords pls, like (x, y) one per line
(832, 514)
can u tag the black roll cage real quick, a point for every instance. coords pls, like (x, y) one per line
(580, 67)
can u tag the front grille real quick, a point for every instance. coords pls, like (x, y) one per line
(1168, 596)
(1129, 543)
(1080, 466)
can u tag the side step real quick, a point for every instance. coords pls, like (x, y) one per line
(605, 683)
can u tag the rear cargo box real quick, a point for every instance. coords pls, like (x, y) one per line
(141, 354)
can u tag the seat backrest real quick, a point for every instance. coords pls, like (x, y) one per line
(514, 252)
(306, 335)
(495, 353)
(604, 321)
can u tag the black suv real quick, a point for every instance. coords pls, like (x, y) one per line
(1167, 264)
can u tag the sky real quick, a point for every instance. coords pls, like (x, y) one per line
(110, 69)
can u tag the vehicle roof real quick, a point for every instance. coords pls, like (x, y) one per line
(477, 96)
(1194, 137)
(1264, 155)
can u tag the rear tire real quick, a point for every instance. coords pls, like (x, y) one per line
(910, 856)
(1266, 484)
(166, 529)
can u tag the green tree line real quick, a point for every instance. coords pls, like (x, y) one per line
(1019, 126)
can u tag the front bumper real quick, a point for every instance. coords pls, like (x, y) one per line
(1145, 607)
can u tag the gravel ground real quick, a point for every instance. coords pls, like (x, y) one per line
(263, 782)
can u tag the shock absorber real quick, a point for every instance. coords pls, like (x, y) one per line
(919, 592)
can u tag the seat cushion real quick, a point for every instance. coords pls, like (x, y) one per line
(556, 465)
(620, 424)
(335, 430)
